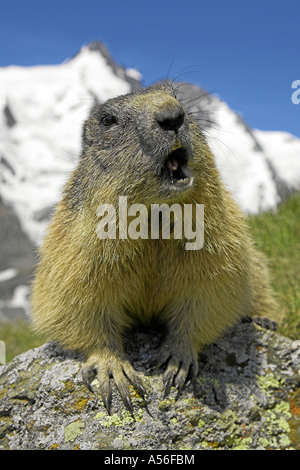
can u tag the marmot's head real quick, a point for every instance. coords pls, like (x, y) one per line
(143, 144)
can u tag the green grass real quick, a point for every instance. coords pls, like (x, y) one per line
(277, 234)
(18, 337)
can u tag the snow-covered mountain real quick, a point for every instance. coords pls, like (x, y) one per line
(40, 127)
(42, 109)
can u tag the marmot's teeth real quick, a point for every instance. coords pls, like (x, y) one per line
(183, 181)
(173, 165)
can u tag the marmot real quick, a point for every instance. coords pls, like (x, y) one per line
(88, 291)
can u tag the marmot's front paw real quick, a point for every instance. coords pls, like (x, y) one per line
(182, 364)
(120, 369)
(261, 321)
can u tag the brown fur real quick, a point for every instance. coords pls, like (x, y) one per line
(88, 292)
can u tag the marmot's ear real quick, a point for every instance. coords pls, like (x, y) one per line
(90, 131)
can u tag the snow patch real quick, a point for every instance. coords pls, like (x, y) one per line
(8, 274)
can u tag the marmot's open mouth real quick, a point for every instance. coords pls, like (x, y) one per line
(175, 169)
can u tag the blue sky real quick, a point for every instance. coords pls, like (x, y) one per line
(248, 52)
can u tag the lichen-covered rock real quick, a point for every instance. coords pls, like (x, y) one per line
(246, 396)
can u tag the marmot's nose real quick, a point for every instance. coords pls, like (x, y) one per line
(170, 120)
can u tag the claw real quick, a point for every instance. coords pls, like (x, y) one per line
(180, 383)
(246, 319)
(140, 389)
(150, 369)
(120, 370)
(88, 376)
(193, 371)
(143, 392)
(168, 381)
(138, 386)
(180, 370)
(107, 403)
(106, 395)
(161, 357)
(128, 404)
(266, 323)
(124, 392)
(263, 322)
(185, 376)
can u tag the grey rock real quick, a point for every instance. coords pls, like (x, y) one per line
(17, 253)
(9, 117)
(246, 396)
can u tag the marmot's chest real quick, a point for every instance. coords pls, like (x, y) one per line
(159, 278)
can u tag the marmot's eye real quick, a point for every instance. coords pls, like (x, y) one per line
(109, 120)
